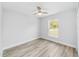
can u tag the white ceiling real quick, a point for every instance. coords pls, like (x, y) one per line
(29, 7)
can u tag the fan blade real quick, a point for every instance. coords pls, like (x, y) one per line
(39, 8)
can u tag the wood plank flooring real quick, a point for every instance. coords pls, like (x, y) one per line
(40, 48)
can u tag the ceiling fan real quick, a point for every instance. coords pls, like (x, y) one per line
(40, 11)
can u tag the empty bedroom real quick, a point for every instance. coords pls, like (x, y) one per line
(39, 29)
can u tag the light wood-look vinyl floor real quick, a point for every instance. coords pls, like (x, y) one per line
(40, 48)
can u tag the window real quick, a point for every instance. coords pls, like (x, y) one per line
(53, 28)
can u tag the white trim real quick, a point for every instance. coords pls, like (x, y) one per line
(11, 46)
(57, 41)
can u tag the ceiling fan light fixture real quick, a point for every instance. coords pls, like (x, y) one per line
(40, 11)
(39, 14)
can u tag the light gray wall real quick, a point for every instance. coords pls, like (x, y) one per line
(18, 28)
(0, 29)
(78, 31)
(67, 27)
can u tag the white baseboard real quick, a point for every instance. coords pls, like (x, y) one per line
(37, 38)
(58, 41)
(19, 43)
